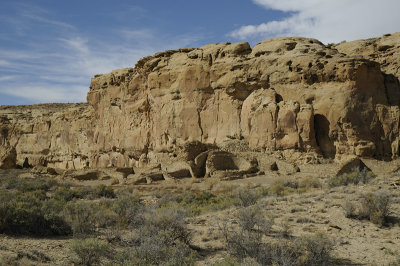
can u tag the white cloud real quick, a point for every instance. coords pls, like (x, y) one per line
(328, 21)
(76, 44)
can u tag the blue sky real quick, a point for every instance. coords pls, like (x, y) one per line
(49, 49)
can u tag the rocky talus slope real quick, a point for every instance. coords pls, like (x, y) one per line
(283, 94)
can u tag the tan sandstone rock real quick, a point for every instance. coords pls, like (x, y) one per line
(352, 165)
(8, 157)
(294, 95)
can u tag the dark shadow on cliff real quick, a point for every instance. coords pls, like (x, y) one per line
(321, 128)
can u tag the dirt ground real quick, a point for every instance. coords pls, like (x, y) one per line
(357, 242)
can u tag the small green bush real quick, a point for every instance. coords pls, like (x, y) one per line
(354, 177)
(90, 251)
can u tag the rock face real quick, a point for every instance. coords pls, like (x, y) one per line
(54, 135)
(282, 94)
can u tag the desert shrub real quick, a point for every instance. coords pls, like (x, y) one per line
(81, 217)
(316, 249)
(277, 189)
(251, 218)
(197, 203)
(246, 242)
(22, 258)
(229, 261)
(31, 184)
(375, 207)
(311, 250)
(355, 177)
(30, 213)
(245, 197)
(285, 230)
(282, 187)
(304, 220)
(103, 191)
(129, 210)
(350, 209)
(309, 182)
(52, 211)
(104, 216)
(162, 238)
(153, 251)
(169, 221)
(65, 193)
(90, 251)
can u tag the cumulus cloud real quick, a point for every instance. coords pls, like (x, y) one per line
(328, 21)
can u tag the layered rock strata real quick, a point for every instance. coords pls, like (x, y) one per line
(282, 94)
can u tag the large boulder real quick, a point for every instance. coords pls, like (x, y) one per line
(177, 170)
(352, 165)
(226, 165)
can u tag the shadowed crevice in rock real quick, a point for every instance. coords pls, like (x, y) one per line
(321, 127)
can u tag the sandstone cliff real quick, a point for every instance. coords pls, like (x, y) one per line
(282, 94)
(57, 135)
